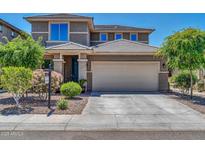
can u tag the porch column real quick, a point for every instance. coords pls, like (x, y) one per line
(82, 69)
(59, 65)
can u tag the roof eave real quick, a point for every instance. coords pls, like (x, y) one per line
(12, 27)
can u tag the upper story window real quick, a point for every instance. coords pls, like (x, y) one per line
(1, 28)
(133, 37)
(59, 32)
(103, 37)
(118, 36)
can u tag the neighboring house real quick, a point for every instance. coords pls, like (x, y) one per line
(8, 30)
(109, 57)
(201, 74)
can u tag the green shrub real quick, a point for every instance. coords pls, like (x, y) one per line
(183, 81)
(16, 80)
(38, 83)
(22, 52)
(200, 86)
(82, 82)
(62, 104)
(71, 89)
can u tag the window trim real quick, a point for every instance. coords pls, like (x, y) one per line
(106, 36)
(136, 36)
(58, 22)
(120, 34)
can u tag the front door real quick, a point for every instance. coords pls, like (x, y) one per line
(74, 70)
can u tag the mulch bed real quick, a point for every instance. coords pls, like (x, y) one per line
(33, 105)
(197, 103)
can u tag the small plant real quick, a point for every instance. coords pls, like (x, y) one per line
(62, 104)
(71, 89)
(183, 81)
(82, 84)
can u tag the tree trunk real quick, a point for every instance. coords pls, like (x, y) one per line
(16, 98)
(191, 85)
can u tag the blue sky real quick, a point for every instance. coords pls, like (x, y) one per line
(165, 24)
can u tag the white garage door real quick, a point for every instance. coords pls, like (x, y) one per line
(125, 76)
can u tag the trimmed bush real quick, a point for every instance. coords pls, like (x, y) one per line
(71, 89)
(39, 86)
(62, 104)
(16, 80)
(183, 81)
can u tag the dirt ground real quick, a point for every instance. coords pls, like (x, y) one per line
(197, 103)
(33, 105)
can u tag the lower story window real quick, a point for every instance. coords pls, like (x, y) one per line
(118, 36)
(133, 37)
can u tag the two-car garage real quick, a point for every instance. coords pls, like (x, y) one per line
(126, 66)
(125, 76)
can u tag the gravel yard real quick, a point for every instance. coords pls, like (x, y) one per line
(32, 105)
(197, 103)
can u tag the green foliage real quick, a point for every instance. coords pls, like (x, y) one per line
(22, 53)
(62, 104)
(16, 80)
(82, 82)
(200, 86)
(184, 50)
(46, 63)
(183, 81)
(71, 89)
(39, 86)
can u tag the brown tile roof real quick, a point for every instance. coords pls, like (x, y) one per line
(59, 15)
(120, 27)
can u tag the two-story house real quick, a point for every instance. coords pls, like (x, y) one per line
(109, 57)
(7, 30)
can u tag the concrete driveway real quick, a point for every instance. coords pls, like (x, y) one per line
(143, 112)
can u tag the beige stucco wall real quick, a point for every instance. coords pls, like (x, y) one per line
(79, 38)
(78, 27)
(39, 26)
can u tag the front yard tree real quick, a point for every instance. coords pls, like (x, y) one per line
(184, 50)
(16, 80)
(22, 52)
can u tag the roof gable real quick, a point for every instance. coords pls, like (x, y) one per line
(124, 46)
(69, 46)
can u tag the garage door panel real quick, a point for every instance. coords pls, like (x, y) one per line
(125, 76)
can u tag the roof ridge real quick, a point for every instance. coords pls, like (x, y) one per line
(67, 43)
(57, 14)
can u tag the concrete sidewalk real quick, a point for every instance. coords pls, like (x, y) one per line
(95, 123)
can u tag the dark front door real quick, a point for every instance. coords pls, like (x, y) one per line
(74, 71)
